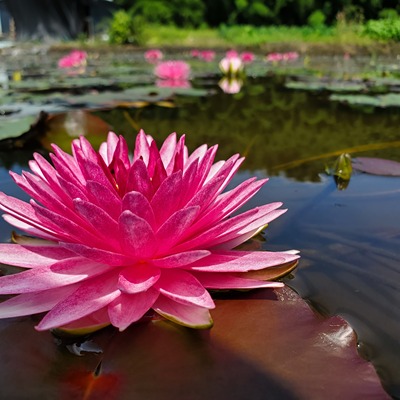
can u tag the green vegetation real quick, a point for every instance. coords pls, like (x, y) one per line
(254, 23)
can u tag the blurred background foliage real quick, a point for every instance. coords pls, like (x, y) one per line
(377, 19)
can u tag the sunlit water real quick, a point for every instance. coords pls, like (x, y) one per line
(349, 239)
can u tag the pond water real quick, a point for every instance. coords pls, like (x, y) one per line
(349, 239)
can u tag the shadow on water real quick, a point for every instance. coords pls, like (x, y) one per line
(348, 239)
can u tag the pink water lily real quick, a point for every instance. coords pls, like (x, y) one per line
(173, 70)
(112, 236)
(74, 59)
(153, 55)
(231, 66)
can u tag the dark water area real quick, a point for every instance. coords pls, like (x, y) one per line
(349, 239)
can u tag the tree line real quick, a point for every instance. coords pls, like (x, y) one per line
(214, 13)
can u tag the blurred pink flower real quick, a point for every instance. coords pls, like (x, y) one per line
(74, 59)
(207, 55)
(247, 57)
(195, 53)
(289, 56)
(230, 86)
(173, 70)
(117, 235)
(153, 55)
(232, 54)
(274, 57)
(231, 66)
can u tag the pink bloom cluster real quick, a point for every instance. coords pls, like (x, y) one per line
(153, 56)
(173, 74)
(173, 70)
(205, 55)
(74, 59)
(118, 235)
(276, 57)
(246, 56)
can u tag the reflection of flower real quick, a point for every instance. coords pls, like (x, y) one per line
(231, 66)
(230, 86)
(173, 70)
(74, 59)
(173, 83)
(118, 236)
(289, 56)
(153, 55)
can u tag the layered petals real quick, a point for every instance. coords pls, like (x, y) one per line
(116, 235)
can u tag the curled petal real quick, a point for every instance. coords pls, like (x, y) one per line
(137, 278)
(186, 315)
(126, 309)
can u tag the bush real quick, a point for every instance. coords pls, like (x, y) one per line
(183, 13)
(126, 29)
(316, 19)
(383, 29)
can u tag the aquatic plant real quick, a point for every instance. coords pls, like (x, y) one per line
(231, 66)
(173, 70)
(153, 55)
(74, 59)
(114, 237)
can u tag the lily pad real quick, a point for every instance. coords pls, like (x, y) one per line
(337, 86)
(13, 128)
(377, 166)
(385, 100)
(252, 352)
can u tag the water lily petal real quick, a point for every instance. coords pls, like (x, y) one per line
(105, 198)
(180, 259)
(138, 278)
(184, 288)
(89, 297)
(61, 273)
(137, 236)
(241, 261)
(138, 204)
(212, 280)
(126, 309)
(32, 256)
(139, 179)
(34, 303)
(166, 198)
(186, 315)
(173, 229)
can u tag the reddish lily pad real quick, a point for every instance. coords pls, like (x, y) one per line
(377, 166)
(264, 344)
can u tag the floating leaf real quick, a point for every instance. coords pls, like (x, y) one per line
(15, 127)
(377, 166)
(262, 342)
(385, 100)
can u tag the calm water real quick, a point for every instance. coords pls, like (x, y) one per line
(349, 239)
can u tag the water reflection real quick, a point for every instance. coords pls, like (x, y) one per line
(349, 240)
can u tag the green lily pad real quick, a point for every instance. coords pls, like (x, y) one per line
(385, 100)
(16, 127)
